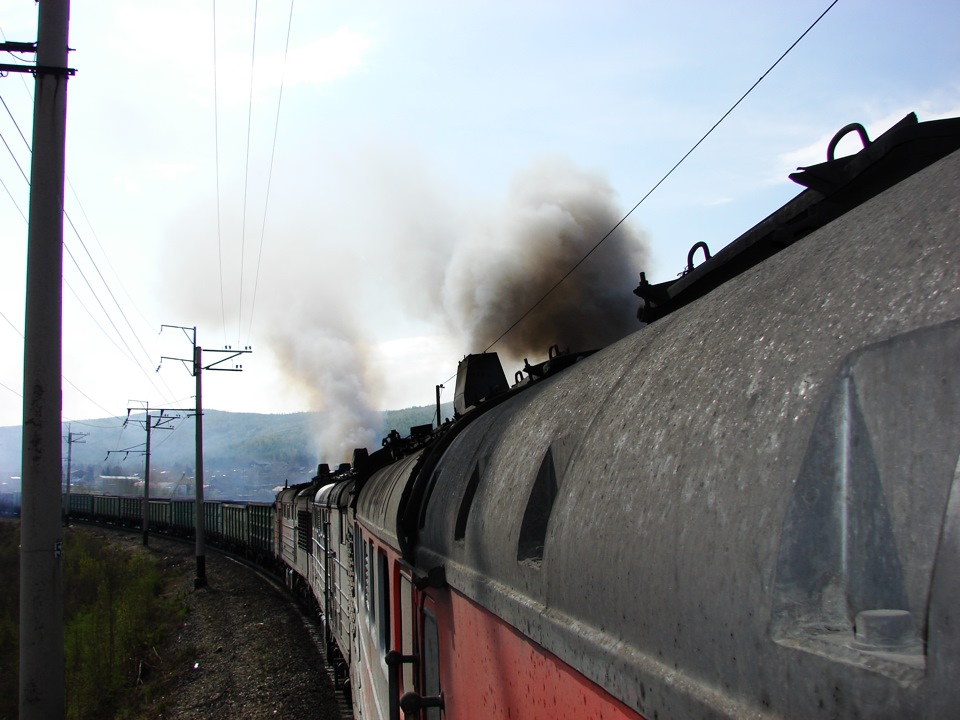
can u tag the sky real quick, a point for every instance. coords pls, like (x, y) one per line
(365, 192)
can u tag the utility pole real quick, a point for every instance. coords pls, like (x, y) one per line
(71, 439)
(146, 486)
(162, 423)
(439, 419)
(42, 691)
(196, 370)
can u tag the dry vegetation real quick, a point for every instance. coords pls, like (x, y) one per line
(142, 643)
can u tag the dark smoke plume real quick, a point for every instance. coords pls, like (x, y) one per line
(554, 215)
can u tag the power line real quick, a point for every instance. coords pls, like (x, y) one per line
(17, 162)
(98, 427)
(74, 386)
(115, 302)
(106, 255)
(273, 152)
(97, 322)
(13, 200)
(92, 261)
(16, 124)
(65, 378)
(10, 323)
(7, 387)
(110, 319)
(216, 155)
(246, 173)
(663, 179)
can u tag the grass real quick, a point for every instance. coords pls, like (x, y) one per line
(116, 615)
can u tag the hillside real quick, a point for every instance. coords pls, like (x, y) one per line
(246, 455)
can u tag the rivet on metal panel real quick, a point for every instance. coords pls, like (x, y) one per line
(885, 629)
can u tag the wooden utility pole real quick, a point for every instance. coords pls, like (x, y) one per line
(42, 692)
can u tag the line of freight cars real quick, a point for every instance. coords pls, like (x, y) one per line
(245, 528)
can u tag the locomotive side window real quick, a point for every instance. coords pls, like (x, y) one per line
(383, 601)
(360, 564)
(371, 577)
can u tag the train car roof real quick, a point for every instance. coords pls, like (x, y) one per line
(289, 494)
(336, 494)
(379, 501)
(699, 516)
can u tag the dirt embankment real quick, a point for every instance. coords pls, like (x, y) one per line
(242, 651)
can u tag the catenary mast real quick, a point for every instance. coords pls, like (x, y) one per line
(42, 692)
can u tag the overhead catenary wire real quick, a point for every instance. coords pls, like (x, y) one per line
(75, 387)
(13, 200)
(663, 179)
(15, 392)
(129, 351)
(116, 303)
(80, 270)
(106, 256)
(91, 425)
(216, 156)
(65, 378)
(273, 152)
(110, 319)
(93, 319)
(246, 173)
(660, 181)
(17, 162)
(15, 123)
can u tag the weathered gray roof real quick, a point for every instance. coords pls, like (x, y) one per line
(676, 541)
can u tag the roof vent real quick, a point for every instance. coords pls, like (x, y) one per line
(479, 377)
(546, 486)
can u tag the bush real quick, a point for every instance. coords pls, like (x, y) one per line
(114, 617)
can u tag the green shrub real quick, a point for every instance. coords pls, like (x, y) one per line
(115, 616)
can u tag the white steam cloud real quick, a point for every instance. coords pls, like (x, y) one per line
(323, 357)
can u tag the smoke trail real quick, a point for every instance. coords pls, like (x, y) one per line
(346, 276)
(554, 215)
(328, 362)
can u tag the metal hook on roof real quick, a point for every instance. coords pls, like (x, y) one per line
(846, 130)
(693, 251)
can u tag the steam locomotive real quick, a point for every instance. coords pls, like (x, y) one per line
(749, 508)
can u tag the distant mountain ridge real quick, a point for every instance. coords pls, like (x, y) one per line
(271, 448)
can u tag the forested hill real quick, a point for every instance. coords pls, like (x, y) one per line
(260, 449)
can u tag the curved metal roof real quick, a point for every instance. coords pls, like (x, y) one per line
(378, 501)
(645, 514)
(335, 495)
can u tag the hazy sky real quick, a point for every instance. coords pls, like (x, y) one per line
(424, 151)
